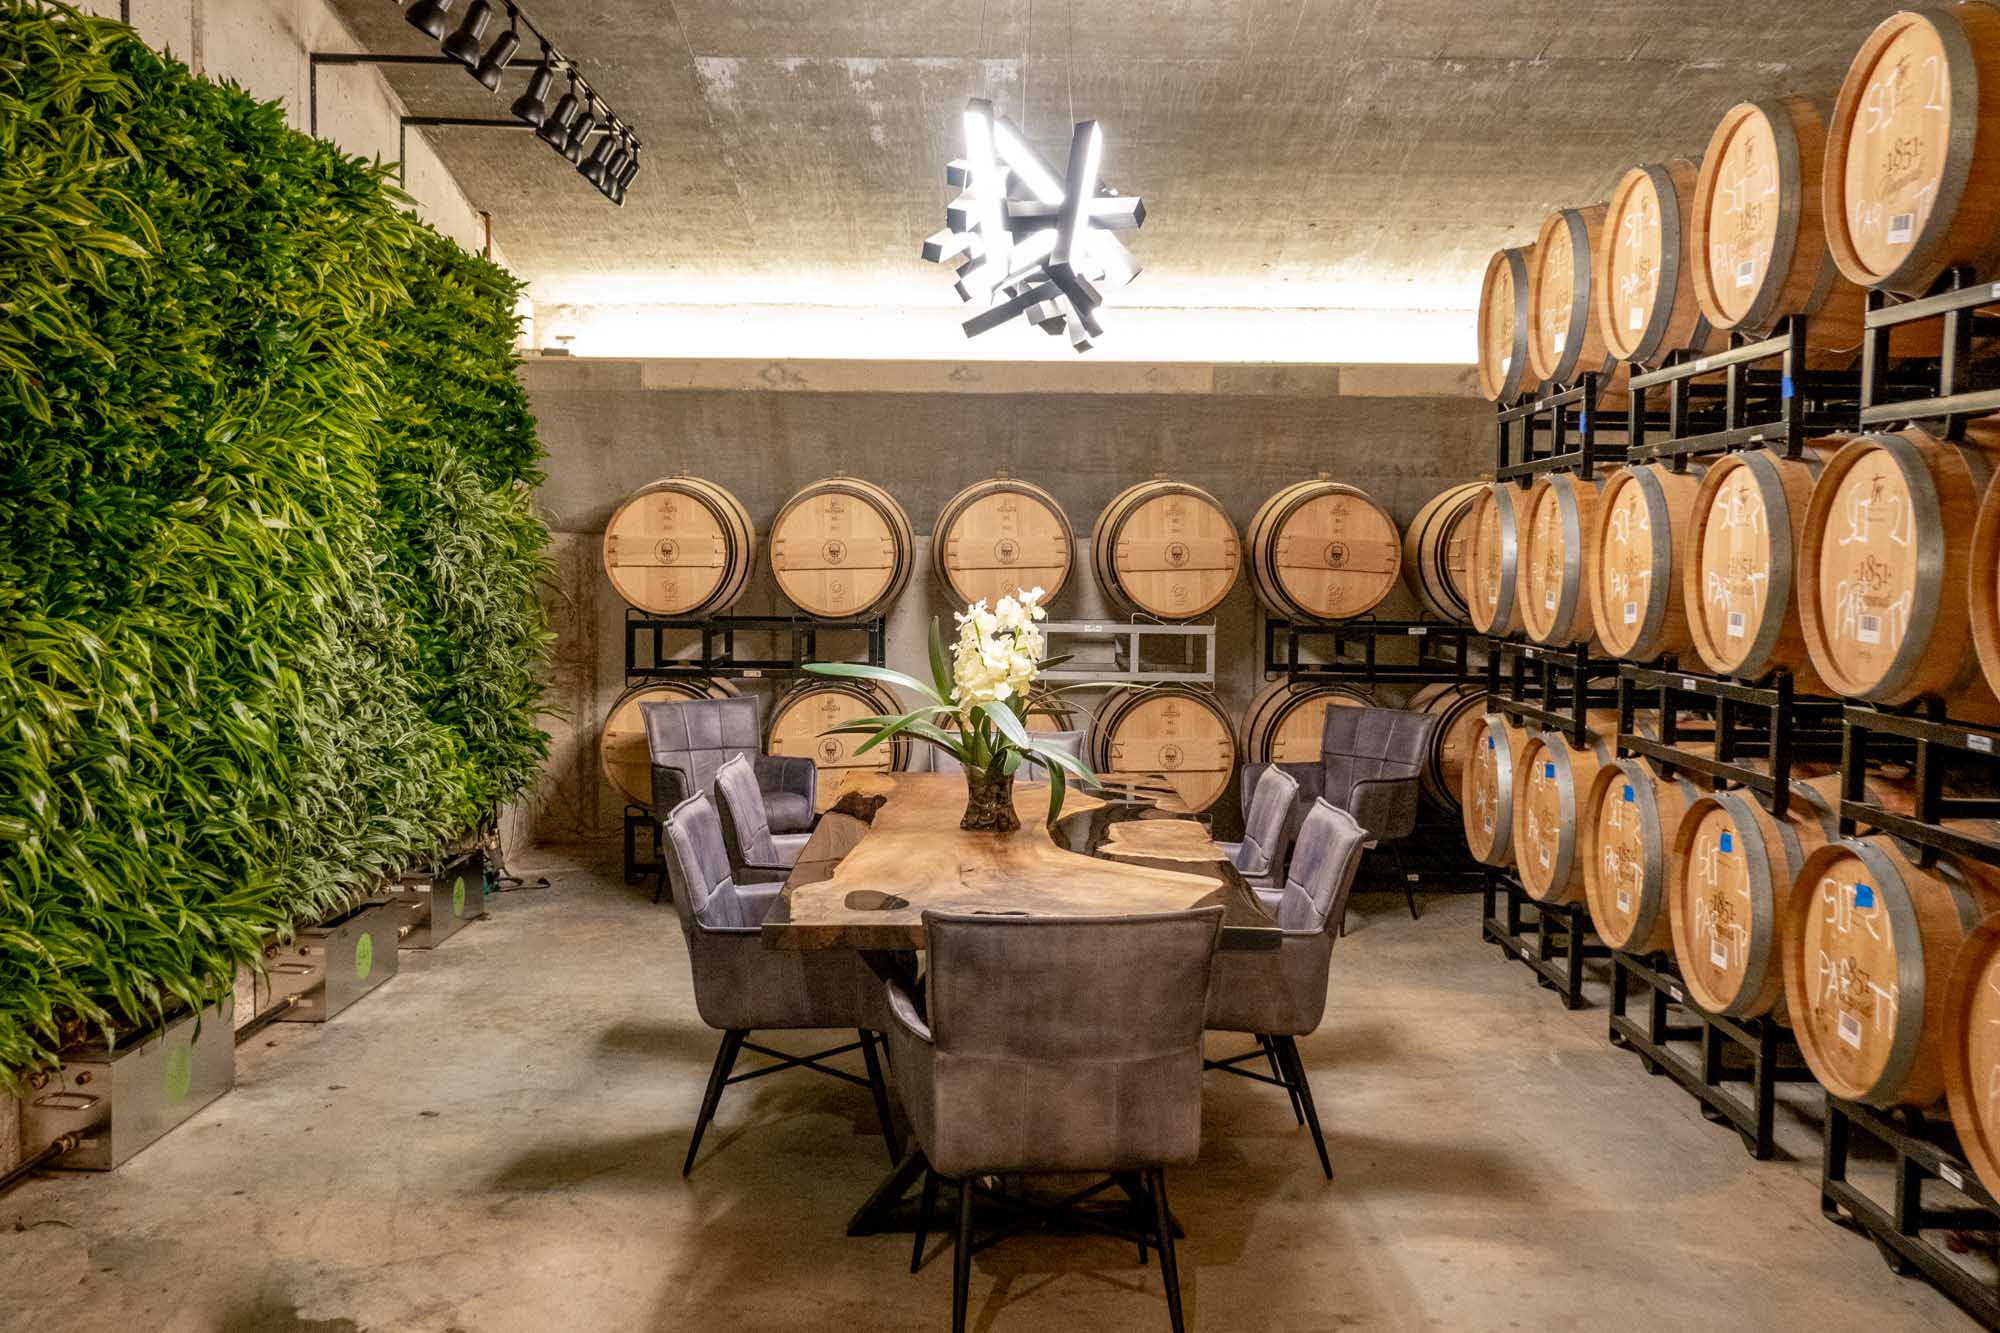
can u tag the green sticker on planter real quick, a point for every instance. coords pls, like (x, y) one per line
(458, 896)
(364, 957)
(179, 1074)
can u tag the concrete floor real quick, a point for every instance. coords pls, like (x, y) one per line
(493, 1142)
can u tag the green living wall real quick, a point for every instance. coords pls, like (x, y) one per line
(269, 622)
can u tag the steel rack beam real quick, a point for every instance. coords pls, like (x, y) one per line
(1554, 944)
(719, 655)
(1926, 735)
(1571, 428)
(1957, 394)
(1442, 651)
(1783, 726)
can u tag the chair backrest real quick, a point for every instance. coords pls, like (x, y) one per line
(746, 826)
(1264, 822)
(1324, 859)
(1069, 742)
(698, 868)
(1068, 1043)
(1369, 743)
(698, 736)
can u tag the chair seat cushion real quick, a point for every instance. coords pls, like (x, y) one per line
(788, 811)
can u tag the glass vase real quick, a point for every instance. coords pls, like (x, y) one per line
(989, 802)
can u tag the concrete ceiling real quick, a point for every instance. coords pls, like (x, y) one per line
(1292, 153)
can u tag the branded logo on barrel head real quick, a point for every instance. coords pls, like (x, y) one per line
(1006, 550)
(835, 551)
(668, 550)
(1335, 554)
(1177, 554)
(829, 749)
(1170, 756)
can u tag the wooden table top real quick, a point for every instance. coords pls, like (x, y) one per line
(1162, 839)
(865, 884)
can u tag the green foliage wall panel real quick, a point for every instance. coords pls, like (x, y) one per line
(268, 566)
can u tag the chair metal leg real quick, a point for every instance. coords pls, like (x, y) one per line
(961, 1256)
(1163, 1228)
(1409, 888)
(660, 887)
(924, 1212)
(879, 1089)
(1289, 1049)
(725, 1059)
(1279, 1074)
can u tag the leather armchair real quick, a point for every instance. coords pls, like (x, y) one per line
(741, 987)
(746, 830)
(1056, 1044)
(691, 739)
(1370, 758)
(1280, 995)
(1266, 818)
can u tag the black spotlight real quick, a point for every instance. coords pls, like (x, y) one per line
(594, 166)
(496, 58)
(573, 150)
(429, 16)
(624, 178)
(463, 45)
(532, 106)
(554, 129)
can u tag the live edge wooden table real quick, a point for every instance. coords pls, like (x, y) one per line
(892, 849)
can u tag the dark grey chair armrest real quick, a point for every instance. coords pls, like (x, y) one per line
(783, 772)
(670, 788)
(752, 874)
(904, 1009)
(1387, 806)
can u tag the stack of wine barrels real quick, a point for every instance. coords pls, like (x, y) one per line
(1437, 552)
(1643, 522)
(1505, 371)
(842, 549)
(1167, 549)
(1493, 566)
(1487, 808)
(1550, 788)
(1002, 536)
(1461, 712)
(1645, 301)
(1284, 721)
(1179, 733)
(801, 725)
(1322, 551)
(1564, 340)
(622, 751)
(680, 547)
(1558, 559)
(1630, 818)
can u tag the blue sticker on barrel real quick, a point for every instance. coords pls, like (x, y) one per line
(1628, 791)
(1548, 770)
(1784, 386)
(1864, 896)
(1728, 841)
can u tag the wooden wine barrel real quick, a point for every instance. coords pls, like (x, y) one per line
(1284, 721)
(1983, 586)
(1437, 551)
(1870, 941)
(1492, 571)
(1321, 551)
(1563, 338)
(621, 742)
(1505, 372)
(842, 549)
(1178, 733)
(1883, 574)
(1912, 183)
(809, 709)
(1461, 718)
(1738, 582)
(999, 537)
(1630, 818)
(1643, 524)
(1549, 792)
(1972, 1050)
(1166, 548)
(1759, 251)
(1558, 561)
(680, 547)
(1731, 871)
(1487, 809)
(1645, 306)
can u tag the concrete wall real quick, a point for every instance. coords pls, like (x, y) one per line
(924, 431)
(262, 45)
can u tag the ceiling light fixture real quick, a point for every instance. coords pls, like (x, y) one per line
(532, 106)
(494, 63)
(430, 17)
(554, 129)
(1025, 241)
(463, 45)
(579, 132)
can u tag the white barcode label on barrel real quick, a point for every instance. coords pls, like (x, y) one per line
(1556, 344)
(1543, 856)
(1638, 318)
(1983, 744)
(1631, 613)
(1718, 952)
(1868, 629)
(1746, 273)
(1549, 599)
(1850, 1030)
(1624, 901)
(1506, 365)
(1736, 624)
(1902, 227)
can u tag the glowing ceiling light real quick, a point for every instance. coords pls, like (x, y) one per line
(1042, 256)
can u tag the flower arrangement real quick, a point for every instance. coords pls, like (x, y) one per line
(975, 707)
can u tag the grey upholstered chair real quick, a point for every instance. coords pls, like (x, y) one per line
(1278, 995)
(691, 739)
(1265, 818)
(741, 987)
(746, 829)
(1056, 1044)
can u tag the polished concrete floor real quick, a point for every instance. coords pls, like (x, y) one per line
(493, 1142)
